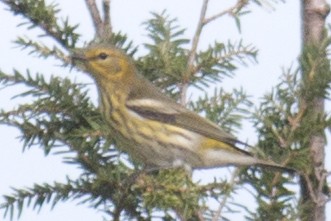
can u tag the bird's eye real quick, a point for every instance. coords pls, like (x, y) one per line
(103, 56)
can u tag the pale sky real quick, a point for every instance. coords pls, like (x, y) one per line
(275, 33)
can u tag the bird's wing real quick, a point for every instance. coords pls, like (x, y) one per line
(158, 107)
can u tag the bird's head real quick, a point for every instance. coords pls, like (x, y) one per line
(104, 63)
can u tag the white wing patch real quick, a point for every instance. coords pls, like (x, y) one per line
(151, 104)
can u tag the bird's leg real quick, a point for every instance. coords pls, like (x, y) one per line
(177, 164)
(180, 164)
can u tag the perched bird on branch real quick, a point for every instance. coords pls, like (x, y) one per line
(150, 126)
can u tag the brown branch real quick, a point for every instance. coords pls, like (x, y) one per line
(318, 198)
(183, 92)
(103, 27)
(200, 216)
(190, 69)
(296, 120)
(197, 35)
(310, 188)
(106, 18)
(192, 53)
(96, 18)
(232, 183)
(231, 11)
(322, 178)
(281, 140)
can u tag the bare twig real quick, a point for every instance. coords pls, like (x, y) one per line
(197, 35)
(107, 18)
(192, 54)
(200, 216)
(103, 26)
(296, 120)
(231, 11)
(190, 69)
(96, 18)
(318, 198)
(322, 178)
(281, 140)
(310, 189)
(183, 92)
(232, 183)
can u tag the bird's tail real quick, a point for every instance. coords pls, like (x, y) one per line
(275, 166)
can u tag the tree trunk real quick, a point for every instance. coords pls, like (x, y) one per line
(313, 200)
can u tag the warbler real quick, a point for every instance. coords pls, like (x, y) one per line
(150, 126)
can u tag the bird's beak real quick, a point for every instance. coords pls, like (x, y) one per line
(78, 58)
(78, 54)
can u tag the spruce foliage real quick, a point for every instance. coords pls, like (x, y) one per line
(60, 118)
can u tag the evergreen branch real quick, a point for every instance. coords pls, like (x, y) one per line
(314, 89)
(57, 88)
(166, 60)
(42, 50)
(178, 192)
(238, 51)
(58, 107)
(62, 115)
(222, 59)
(191, 69)
(223, 108)
(44, 16)
(233, 11)
(285, 141)
(316, 71)
(38, 195)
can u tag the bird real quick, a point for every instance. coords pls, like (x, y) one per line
(151, 127)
